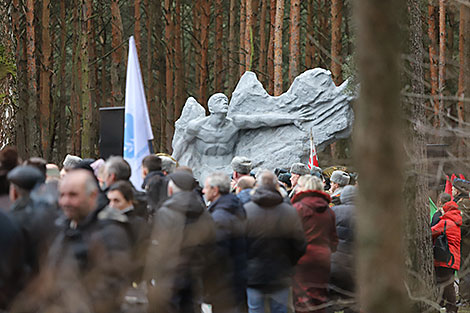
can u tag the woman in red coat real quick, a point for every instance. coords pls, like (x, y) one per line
(451, 221)
(313, 269)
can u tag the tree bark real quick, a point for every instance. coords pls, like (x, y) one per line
(137, 27)
(462, 61)
(179, 64)
(45, 81)
(61, 133)
(380, 261)
(75, 105)
(219, 37)
(262, 40)
(116, 56)
(232, 45)
(433, 61)
(205, 23)
(294, 42)
(336, 40)
(466, 53)
(242, 37)
(34, 137)
(442, 57)
(168, 111)
(278, 86)
(248, 35)
(309, 45)
(272, 29)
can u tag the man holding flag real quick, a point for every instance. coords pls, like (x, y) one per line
(137, 129)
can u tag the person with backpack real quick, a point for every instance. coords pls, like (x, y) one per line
(448, 226)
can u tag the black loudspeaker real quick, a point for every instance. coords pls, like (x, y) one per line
(111, 131)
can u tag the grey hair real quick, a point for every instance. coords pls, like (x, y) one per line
(118, 166)
(90, 185)
(173, 186)
(220, 180)
(310, 182)
(266, 178)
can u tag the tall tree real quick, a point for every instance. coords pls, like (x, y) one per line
(272, 30)
(45, 80)
(462, 61)
(380, 209)
(248, 35)
(433, 60)
(242, 37)
(116, 56)
(336, 40)
(137, 27)
(309, 45)
(294, 41)
(61, 118)
(263, 40)
(205, 23)
(33, 135)
(75, 107)
(179, 64)
(442, 57)
(278, 86)
(232, 45)
(168, 111)
(219, 36)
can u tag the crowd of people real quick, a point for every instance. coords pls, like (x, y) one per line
(81, 238)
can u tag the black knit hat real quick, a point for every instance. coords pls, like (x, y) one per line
(183, 180)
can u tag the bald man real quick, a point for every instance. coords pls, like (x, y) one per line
(91, 255)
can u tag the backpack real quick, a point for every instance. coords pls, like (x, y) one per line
(441, 248)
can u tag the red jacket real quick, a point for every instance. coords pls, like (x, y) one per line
(452, 219)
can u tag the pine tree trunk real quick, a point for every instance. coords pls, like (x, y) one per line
(294, 42)
(248, 35)
(219, 37)
(433, 60)
(232, 42)
(278, 86)
(336, 39)
(325, 11)
(310, 28)
(262, 40)
(87, 99)
(75, 105)
(419, 258)
(242, 37)
(179, 64)
(466, 53)
(272, 29)
(137, 28)
(168, 111)
(116, 56)
(204, 73)
(442, 58)
(159, 60)
(462, 61)
(61, 118)
(379, 252)
(34, 139)
(45, 81)
(149, 78)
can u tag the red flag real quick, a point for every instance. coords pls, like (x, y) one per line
(313, 159)
(448, 188)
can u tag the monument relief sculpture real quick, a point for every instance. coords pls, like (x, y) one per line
(271, 131)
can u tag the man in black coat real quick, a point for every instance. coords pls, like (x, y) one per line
(275, 242)
(228, 279)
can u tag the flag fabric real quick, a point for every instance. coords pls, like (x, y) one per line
(313, 159)
(432, 207)
(137, 128)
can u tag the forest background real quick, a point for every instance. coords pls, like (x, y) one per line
(62, 60)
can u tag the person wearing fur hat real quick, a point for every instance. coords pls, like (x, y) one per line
(460, 189)
(241, 166)
(297, 170)
(338, 180)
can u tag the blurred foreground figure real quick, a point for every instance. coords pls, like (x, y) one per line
(86, 269)
(275, 242)
(182, 238)
(313, 269)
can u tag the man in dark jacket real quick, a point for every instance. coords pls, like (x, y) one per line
(228, 286)
(275, 242)
(86, 269)
(182, 234)
(342, 275)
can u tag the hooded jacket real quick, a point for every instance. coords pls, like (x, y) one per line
(318, 222)
(452, 221)
(275, 240)
(182, 237)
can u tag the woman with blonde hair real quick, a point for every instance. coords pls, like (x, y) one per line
(318, 220)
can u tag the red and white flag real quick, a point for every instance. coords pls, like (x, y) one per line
(313, 159)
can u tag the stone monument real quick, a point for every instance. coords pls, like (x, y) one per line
(271, 131)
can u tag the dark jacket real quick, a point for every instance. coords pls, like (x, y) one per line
(87, 267)
(342, 260)
(275, 240)
(229, 217)
(318, 222)
(451, 220)
(182, 237)
(245, 196)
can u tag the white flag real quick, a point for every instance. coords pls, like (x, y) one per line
(137, 128)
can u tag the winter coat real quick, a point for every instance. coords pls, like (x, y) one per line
(342, 260)
(182, 238)
(318, 222)
(452, 220)
(229, 217)
(86, 269)
(275, 240)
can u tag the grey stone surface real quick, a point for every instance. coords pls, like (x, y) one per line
(271, 131)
